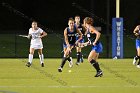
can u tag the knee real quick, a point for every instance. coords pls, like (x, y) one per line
(32, 52)
(89, 59)
(92, 61)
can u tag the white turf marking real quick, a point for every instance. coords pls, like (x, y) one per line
(64, 86)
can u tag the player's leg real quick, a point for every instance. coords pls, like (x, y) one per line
(63, 59)
(78, 55)
(69, 58)
(30, 58)
(135, 59)
(138, 55)
(81, 55)
(93, 56)
(92, 59)
(41, 57)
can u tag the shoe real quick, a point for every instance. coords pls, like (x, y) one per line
(77, 63)
(59, 69)
(138, 66)
(42, 64)
(70, 63)
(134, 61)
(99, 74)
(28, 64)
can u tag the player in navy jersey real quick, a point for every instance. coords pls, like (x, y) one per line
(137, 57)
(79, 49)
(96, 45)
(69, 42)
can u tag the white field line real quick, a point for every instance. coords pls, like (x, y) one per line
(66, 86)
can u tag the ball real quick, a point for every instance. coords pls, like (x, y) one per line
(69, 70)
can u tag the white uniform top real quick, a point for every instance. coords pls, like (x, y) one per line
(36, 40)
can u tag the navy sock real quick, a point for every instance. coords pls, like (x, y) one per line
(68, 59)
(137, 57)
(95, 65)
(78, 56)
(63, 62)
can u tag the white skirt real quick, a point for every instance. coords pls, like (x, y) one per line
(36, 46)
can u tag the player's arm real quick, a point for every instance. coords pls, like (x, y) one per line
(97, 35)
(43, 34)
(136, 31)
(84, 29)
(29, 34)
(66, 38)
(80, 35)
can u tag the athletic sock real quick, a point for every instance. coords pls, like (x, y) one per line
(95, 65)
(41, 57)
(63, 62)
(137, 57)
(69, 59)
(30, 58)
(78, 56)
(139, 60)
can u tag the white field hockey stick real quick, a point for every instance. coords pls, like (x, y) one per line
(82, 44)
(26, 36)
(23, 36)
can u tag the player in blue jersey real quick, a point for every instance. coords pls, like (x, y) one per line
(96, 45)
(137, 57)
(69, 42)
(79, 49)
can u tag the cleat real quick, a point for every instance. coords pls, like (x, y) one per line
(59, 69)
(138, 66)
(42, 64)
(77, 63)
(99, 74)
(28, 64)
(134, 61)
(70, 63)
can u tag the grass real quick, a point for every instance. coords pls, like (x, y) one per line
(119, 76)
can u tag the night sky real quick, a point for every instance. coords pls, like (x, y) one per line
(54, 14)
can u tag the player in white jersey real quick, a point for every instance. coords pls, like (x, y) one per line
(36, 33)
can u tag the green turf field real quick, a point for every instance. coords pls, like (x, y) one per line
(120, 76)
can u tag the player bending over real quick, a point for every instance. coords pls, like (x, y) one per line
(69, 42)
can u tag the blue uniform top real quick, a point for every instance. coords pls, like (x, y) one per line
(71, 36)
(80, 27)
(91, 37)
(98, 47)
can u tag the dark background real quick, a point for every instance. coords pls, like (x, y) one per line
(54, 14)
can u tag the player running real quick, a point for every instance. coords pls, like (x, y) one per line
(96, 45)
(36, 33)
(137, 57)
(79, 49)
(69, 42)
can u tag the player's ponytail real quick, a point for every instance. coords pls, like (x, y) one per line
(88, 20)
